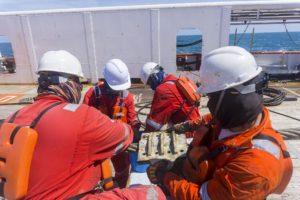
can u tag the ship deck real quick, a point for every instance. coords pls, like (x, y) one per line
(285, 118)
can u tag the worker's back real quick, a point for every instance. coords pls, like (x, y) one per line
(71, 139)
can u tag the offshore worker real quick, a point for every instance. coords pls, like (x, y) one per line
(169, 105)
(235, 153)
(113, 99)
(73, 140)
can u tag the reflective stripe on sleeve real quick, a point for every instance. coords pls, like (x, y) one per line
(120, 145)
(154, 124)
(151, 193)
(268, 146)
(170, 82)
(71, 107)
(203, 191)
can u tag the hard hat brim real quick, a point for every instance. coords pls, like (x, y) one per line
(124, 86)
(202, 90)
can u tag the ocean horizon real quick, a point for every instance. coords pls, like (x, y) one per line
(274, 41)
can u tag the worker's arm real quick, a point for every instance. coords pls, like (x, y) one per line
(139, 192)
(131, 113)
(105, 137)
(161, 111)
(192, 125)
(251, 174)
(89, 98)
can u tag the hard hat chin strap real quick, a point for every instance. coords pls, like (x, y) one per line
(219, 103)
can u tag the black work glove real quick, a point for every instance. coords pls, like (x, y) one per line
(178, 165)
(181, 128)
(157, 171)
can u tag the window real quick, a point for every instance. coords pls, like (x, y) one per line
(188, 49)
(7, 60)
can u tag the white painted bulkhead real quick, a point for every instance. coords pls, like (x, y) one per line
(135, 34)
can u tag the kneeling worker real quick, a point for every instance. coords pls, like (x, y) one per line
(247, 158)
(169, 104)
(68, 142)
(113, 99)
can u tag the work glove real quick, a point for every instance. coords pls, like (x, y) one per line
(196, 169)
(157, 171)
(178, 165)
(137, 134)
(180, 128)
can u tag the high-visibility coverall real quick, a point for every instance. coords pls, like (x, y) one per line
(248, 171)
(138, 192)
(72, 140)
(121, 161)
(169, 106)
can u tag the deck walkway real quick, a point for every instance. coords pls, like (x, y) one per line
(11, 95)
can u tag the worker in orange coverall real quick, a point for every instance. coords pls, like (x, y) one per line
(235, 153)
(73, 139)
(112, 98)
(168, 105)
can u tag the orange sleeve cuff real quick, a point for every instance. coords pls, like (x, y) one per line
(179, 188)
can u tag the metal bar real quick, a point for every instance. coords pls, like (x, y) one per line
(264, 22)
(149, 142)
(252, 38)
(162, 143)
(235, 36)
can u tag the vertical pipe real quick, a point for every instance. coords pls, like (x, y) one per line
(235, 37)
(252, 38)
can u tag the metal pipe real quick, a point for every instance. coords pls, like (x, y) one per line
(235, 36)
(252, 37)
(264, 22)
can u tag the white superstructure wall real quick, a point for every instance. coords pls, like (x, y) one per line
(94, 36)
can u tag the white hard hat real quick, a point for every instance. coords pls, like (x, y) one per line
(148, 69)
(226, 67)
(60, 61)
(117, 75)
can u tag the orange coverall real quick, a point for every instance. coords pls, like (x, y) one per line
(121, 161)
(168, 106)
(72, 140)
(251, 168)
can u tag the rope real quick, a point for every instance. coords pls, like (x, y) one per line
(139, 112)
(243, 33)
(275, 97)
(287, 32)
(189, 44)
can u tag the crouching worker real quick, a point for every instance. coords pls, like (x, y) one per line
(170, 104)
(69, 143)
(247, 158)
(113, 99)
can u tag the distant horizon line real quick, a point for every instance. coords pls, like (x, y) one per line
(245, 33)
(8, 42)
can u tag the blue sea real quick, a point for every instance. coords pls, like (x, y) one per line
(261, 42)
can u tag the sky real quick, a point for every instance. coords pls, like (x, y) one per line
(23, 5)
(18, 5)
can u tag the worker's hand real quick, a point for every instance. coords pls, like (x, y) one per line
(182, 127)
(178, 165)
(137, 134)
(157, 171)
(196, 170)
(201, 136)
